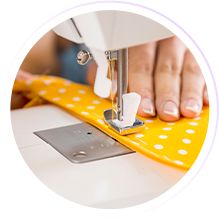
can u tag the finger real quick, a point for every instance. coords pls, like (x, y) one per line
(91, 73)
(18, 101)
(141, 64)
(205, 96)
(26, 76)
(167, 78)
(192, 87)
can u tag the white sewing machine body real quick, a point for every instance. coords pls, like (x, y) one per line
(111, 30)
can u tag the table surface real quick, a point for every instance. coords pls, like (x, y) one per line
(109, 183)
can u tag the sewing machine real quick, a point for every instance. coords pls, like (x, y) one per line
(109, 34)
(120, 181)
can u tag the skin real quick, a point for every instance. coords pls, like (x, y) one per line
(169, 80)
(164, 73)
(41, 59)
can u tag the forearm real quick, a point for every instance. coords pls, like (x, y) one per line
(43, 57)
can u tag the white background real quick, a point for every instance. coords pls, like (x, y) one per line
(21, 193)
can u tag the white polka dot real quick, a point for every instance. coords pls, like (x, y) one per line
(139, 135)
(158, 146)
(67, 83)
(146, 128)
(62, 90)
(182, 152)
(163, 136)
(186, 141)
(76, 99)
(81, 91)
(190, 131)
(149, 121)
(193, 123)
(197, 118)
(167, 128)
(56, 98)
(91, 107)
(100, 121)
(96, 102)
(28, 82)
(70, 105)
(85, 113)
(42, 92)
(170, 123)
(179, 162)
(47, 82)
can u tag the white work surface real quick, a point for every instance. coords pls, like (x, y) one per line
(109, 183)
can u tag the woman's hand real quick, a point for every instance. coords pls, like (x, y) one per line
(168, 78)
(18, 100)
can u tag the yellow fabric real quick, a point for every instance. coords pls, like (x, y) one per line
(176, 143)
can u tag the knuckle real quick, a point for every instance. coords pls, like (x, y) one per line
(148, 68)
(192, 69)
(167, 91)
(141, 68)
(172, 69)
(148, 91)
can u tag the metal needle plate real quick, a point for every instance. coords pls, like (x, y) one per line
(82, 143)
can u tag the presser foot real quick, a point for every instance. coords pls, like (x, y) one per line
(110, 115)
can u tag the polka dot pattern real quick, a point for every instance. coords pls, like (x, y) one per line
(62, 90)
(176, 143)
(96, 102)
(158, 146)
(190, 131)
(163, 136)
(81, 91)
(139, 135)
(56, 99)
(149, 121)
(47, 82)
(91, 107)
(167, 128)
(179, 162)
(182, 152)
(186, 141)
(69, 105)
(42, 92)
(84, 113)
(193, 123)
(77, 99)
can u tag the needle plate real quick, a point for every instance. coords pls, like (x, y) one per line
(82, 143)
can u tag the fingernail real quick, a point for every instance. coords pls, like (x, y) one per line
(192, 105)
(170, 108)
(147, 106)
